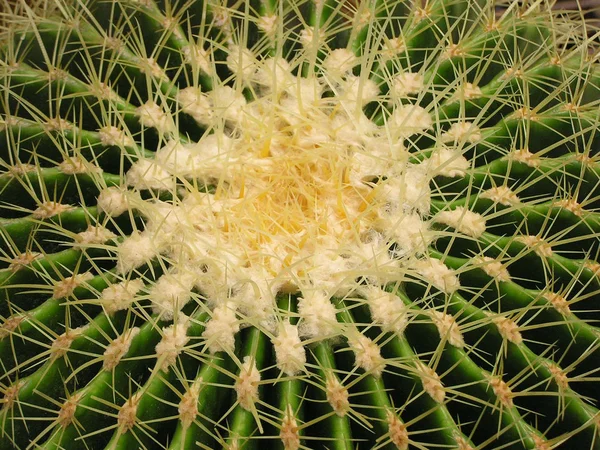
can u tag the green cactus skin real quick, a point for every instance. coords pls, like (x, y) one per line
(298, 224)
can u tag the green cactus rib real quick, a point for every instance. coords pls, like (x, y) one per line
(298, 225)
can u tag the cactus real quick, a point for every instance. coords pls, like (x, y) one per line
(299, 224)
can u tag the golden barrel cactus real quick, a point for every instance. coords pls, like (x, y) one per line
(298, 224)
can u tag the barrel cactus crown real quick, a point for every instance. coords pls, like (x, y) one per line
(298, 225)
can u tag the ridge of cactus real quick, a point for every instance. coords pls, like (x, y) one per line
(301, 224)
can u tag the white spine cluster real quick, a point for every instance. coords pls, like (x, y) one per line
(560, 303)
(119, 296)
(448, 162)
(462, 220)
(242, 62)
(393, 47)
(268, 24)
(60, 346)
(501, 194)
(406, 84)
(134, 251)
(539, 245)
(337, 395)
(170, 293)
(10, 325)
(196, 104)
(525, 156)
(46, 210)
(448, 328)
(66, 414)
(220, 330)
(151, 67)
(468, 91)
(195, 55)
(431, 382)
(152, 115)
(23, 260)
(114, 201)
(410, 233)
(172, 343)
(307, 37)
(398, 432)
(289, 352)
(227, 104)
(67, 286)
(148, 174)
(572, 205)
(289, 431)
(246, 385)
(118, 348)
(94, 235)
(358, 91)
(493, 268)
(340, 62)
(318, 315)
(77, 165)
(387, 310)
(273, 75)
(462, 131)
(502, 391)
(366, 354)
(127, 415)
(410, 119)
(20, 169)
(438, 274)
(188, 406)
(508, 329)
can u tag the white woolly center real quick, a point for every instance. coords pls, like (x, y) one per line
(134, 251)
(502, 391)
(296, 190)
(289, 431)
(62, 343)
(398, 432)
(539, 245)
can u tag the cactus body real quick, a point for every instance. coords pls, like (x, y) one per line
(298, 225)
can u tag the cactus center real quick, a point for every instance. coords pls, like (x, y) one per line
(293, 190)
